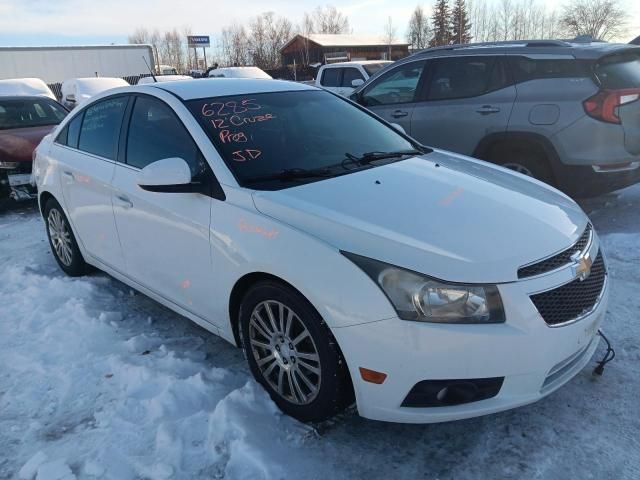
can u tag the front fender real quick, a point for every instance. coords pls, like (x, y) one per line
(244, 241)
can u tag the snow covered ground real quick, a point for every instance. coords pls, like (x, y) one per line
(98, 382)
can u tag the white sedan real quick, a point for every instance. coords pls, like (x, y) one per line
(347, 260)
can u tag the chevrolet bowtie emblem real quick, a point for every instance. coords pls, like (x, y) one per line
(581, 265)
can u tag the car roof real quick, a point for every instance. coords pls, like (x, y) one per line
(219, 87)
(25, 97)
(578, 49)
(356, 62)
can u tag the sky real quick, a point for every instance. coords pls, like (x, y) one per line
(77, 22)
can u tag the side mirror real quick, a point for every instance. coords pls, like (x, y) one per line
(170, 175)
(355, 83)
(71, 98)
(398, 127)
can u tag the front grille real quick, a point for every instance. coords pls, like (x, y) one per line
(573, 299)
(558, 260)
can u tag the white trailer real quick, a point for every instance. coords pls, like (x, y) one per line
(56, 64)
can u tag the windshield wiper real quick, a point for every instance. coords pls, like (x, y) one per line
(291, 174)
(368, 157)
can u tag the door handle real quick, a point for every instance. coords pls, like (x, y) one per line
(487, 109)
(68, 175)
(399, 114)
(124, 201)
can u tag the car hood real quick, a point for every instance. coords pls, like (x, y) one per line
(445, 215)
(17, 144)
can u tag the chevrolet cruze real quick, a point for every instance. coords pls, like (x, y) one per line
(348, 261)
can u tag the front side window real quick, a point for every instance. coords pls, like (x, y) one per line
(464, 77)
(331, 77)
(100, 128)
(267, 133)
(156, 133)
(396, 86)
(29, 112)
(350, 74)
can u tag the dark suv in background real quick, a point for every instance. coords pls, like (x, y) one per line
(567, 113)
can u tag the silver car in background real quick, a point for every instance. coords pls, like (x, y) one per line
(564, 112)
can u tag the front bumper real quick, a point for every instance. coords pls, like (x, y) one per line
(16, 183)
(534, 358)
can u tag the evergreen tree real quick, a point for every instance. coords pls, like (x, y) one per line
(441, 21)
(460, 26)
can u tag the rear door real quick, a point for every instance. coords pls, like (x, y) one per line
(164, 236)
(621, 73)
(87, 148)
(394, 94)
(331, 79)
(464, 100)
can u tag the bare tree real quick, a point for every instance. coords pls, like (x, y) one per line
(234, 45)
(328, 19)
(267, 35)
(389, 36)
(419, 30)
(601, 19)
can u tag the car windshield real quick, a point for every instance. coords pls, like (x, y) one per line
(31, 112)
(372, 68)
(619, 71)
(273, 140)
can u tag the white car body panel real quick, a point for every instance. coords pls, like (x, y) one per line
(188, 251)
(357, 64)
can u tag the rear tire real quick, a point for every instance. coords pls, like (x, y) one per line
(530, 163)
(292, 353)
(62, 241)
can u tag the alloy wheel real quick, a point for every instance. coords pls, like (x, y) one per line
(285, 352)
(519, 168)
(60, 236)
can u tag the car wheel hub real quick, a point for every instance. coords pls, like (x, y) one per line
(519, 168)
(285, 352)
(60, 237)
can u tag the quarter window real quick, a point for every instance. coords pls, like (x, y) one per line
(156, 133)
(350, 74)
(464, 77)
(331, 77)
(396, 86)
(70, 133)
(101, 127)
(525, 69)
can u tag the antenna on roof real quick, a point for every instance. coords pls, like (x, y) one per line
(155, 80)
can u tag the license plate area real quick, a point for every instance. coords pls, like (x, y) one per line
(19, 179)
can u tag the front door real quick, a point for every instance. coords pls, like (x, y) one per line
(164, 236)
(393, 96)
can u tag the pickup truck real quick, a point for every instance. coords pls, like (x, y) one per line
(342, 78)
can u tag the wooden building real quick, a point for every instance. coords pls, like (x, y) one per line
(327, 48)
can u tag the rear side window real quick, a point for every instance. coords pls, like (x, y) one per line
(101, 127)
(464, 77)
(350, 74)
(70, 133)
(619, 71)
(396, 86)
(156, 133)
(331, 77)
(525, 69)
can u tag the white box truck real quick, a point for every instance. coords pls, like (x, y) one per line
(56, 64)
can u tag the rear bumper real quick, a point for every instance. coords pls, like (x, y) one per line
(588, 181)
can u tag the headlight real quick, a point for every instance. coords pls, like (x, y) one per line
(421, 298)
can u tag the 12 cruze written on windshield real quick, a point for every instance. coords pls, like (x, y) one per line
(349, 261)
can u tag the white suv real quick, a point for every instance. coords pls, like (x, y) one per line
(344, 257)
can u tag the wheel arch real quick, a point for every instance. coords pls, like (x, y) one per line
(43, 198)
(492, 143)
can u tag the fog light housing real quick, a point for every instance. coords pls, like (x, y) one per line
(446, 393)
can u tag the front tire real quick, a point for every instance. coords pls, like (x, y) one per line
(62, 241)
(292, 353)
